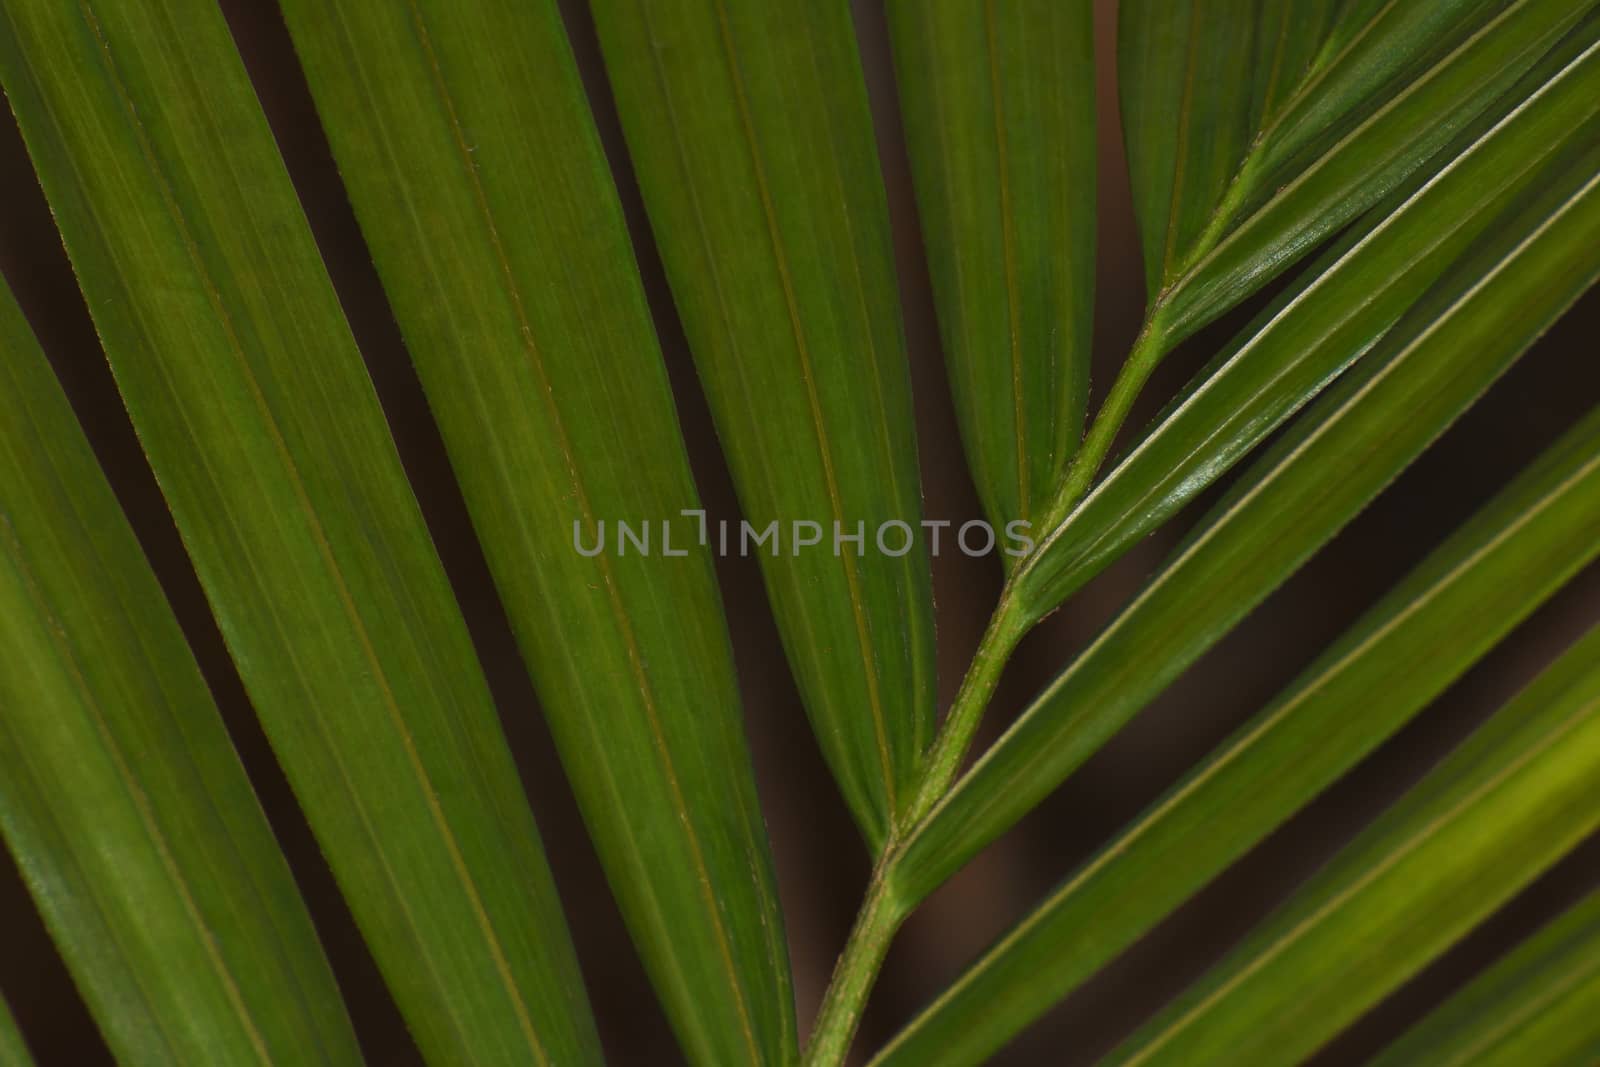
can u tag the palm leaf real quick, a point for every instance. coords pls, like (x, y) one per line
(1541, 1004)
(1325, 321)
(1409, 191)
(251, 401)
(998, 101)
(13, 1053)
(120, 793)
(1474, 324)
(1401, 655)
(462, 135)
(750, 136)
(1339, 104)
(1502, 808)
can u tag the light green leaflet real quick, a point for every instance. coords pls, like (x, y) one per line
(748, 128)
(13, 1053)
(1401, 655)
(1539, 1005)
(1345, 449)
(1497, 812)
(1328, 319)
(1235, 177)
(120, 794)
(998, 101)
(263, 429)
(463, 138)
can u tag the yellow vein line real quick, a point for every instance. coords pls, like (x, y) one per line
(913, 614)
(624, 623)
(1185, 124)
(141, 801)
(1009, 244)
(1278, 50)
(1402, 851)
(319, 535)
(963, 345)
(808, 375)
(758, 446)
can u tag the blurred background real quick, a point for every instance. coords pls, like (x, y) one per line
(821, 866)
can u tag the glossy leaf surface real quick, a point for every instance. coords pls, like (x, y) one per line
(250, 398)
(998, 101)
(464, 139)
(750, 136)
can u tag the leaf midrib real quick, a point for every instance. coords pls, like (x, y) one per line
(1008, 242)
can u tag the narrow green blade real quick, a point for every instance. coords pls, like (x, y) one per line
(251, 400)
(120, 794)
(1238, 177)
(1502, 808)
(1473, 325)
(750, 135)
(1391, 664)
(1540, 1005)
(462, 134)
(998, 101)
(1343, 305)
(1187, 113)
(13, 1052)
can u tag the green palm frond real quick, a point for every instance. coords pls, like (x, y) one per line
(1359, 214)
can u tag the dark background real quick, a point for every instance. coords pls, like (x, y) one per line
(820, 866)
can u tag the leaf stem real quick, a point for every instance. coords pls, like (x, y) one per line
(883, 909)
(1006, 627)
(880, 916)
(1147, 351)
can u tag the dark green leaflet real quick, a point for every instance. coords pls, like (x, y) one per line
(998, 100)
(120, 794)
(464, 139)
(750, 136)
(252, 403)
